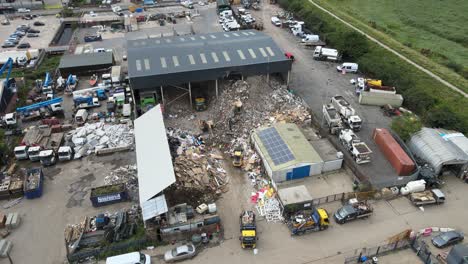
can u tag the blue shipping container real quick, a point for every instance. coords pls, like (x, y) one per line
(33, 184)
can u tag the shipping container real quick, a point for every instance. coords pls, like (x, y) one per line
(108, 194)
(380, 99)
(33, 183)
(394, 153)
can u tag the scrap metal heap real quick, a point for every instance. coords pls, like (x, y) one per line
(94, 232)
(97, 136)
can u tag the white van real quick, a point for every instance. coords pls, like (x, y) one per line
(129, 258)
(21, 152)
(81, 116)
(309, 38)
(276, 21)
(126, 110)
(347, 67)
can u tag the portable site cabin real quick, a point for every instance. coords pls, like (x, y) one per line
(286, 153)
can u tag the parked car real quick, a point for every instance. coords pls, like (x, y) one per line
(27, 17)
(19, 33)
(23, 10)
(5, 22)
(24, 45)
(92, 38)
(447, 238)
(32, 35)
(13, 40)
(23, 27)
(39, 23)
(180, 253)
(8, 45)
(34, 31)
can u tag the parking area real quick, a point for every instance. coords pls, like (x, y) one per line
(45, 36)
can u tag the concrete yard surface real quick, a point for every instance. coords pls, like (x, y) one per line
(47, 32)
(65, 200)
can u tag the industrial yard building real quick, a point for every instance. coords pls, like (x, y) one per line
(287, 154)
(444, 150)
(85, 63)
(157, 64)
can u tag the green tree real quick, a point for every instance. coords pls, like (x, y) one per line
(406, 125)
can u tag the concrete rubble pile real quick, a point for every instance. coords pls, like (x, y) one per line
(196, 166)
(242, 107)
(97, 136)
(125, 174)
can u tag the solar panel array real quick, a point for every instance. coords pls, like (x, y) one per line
(277, 149)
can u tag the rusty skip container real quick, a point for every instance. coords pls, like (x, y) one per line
(394, 153)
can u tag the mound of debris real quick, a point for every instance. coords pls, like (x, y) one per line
(198, 169)
(128, 176)
(97, 136)
(244, 107)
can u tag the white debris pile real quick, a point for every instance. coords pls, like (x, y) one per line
(95, 136)
(125, 174)
(271, 210)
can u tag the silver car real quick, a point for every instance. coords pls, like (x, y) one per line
(180, 253)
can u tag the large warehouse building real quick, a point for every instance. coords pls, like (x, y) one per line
(157, 63)
(288, 155)
(85, 63)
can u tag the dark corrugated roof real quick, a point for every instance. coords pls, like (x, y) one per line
(204, 52)
(86, 59)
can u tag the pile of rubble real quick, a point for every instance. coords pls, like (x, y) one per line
(244, 107)
(97, 136)
(127, 175)
(197, 168)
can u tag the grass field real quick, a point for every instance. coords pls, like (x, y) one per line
(432, 29)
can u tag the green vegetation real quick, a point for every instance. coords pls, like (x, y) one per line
(436, 104)
(432, 33)
(49, 64)
(406, 125)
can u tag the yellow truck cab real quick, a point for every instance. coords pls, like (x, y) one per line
(248, 229)
(309, 221)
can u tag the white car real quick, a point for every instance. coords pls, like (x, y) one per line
(180, 253)
(23, 10)
(276, 21)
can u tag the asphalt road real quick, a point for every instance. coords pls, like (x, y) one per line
(317, 81)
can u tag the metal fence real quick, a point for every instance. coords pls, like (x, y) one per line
(377, 251)
(329, 199)
(422, 251)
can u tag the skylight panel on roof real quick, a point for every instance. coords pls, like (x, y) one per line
(192, 38)
(270, 51)
(226, 56)
(226, 35)
(182, 39)
(158, 41)
(251, 33)
(138, 65)
(203, 58)
(263, 52)
(252, 53)
(175, 60)
(202, 37)
(147, 64)
(245, 33)
(213, 36)
(235, 34)
(241, 54)
(168, 40)
(191, 59)
(163, 62)
(215, 57)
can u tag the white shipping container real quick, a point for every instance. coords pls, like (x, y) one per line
(380, 99)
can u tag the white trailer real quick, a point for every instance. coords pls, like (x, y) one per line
(358, 149)
(321, 53)
(347, 112)
(116, 74)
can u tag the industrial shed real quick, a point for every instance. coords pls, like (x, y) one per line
(181, 60)
(444, 150)
(85, 63)
(286, 153)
